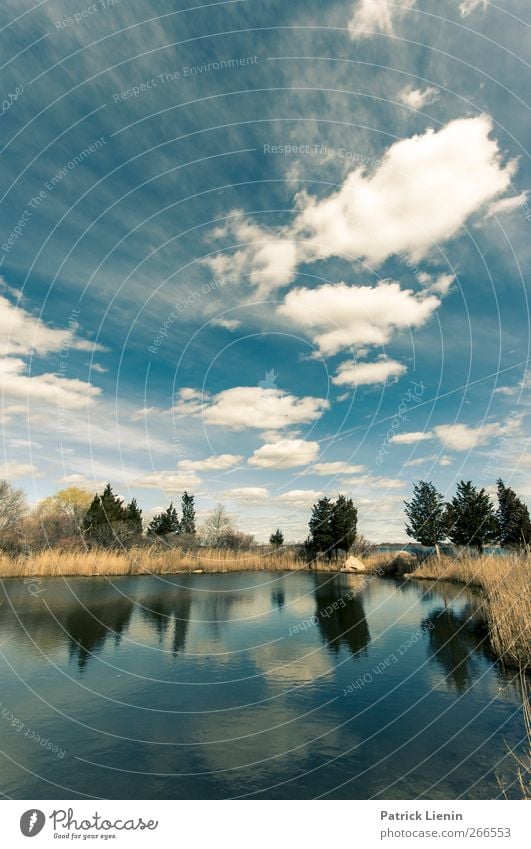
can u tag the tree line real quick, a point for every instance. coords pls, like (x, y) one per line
(73, 518)
(469, 519)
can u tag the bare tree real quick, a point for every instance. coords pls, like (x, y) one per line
(13, 508)
(219, 527)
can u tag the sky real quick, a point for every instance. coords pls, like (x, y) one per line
(265, 252)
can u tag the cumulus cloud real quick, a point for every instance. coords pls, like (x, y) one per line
(11, 470)
(48, 389)
(416, 98)
(411, 438)
(218, 462)
(23, 333)
(420, 195)
(376, 16)
(336, 467)
(167, 480)
(227, 323)
(461, 437)
(250, 407)
(285, 454)
(468, 6)
(247, 494)
(364, 374)
(82, 481)
(341, 316)
(300, 497)
(506, 205)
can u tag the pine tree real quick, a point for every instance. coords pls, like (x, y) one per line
(471, 517)
(344, 523)
(426, 513)
(188, 514)
(165, 523)
(134, 517)
(277, 538)
(108, 523)
(321, 539)
(514, 524)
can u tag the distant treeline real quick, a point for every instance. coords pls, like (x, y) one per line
(74, 519)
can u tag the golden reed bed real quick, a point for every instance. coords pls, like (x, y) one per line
(505, 582)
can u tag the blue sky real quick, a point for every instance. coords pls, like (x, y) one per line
(265, 251)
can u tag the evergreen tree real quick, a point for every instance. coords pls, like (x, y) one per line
(344, 523)
(471, 518)
(188, 514)
(277, 539)
(165, 523)
(426, 513)
(108, 523)
(514, 524)
(134, 517)
(321, 539)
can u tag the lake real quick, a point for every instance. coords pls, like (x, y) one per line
(254, 685)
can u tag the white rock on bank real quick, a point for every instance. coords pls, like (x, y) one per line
(353, 564)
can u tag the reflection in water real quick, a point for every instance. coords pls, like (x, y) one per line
(88, 628)
(261, 709)
(340, 614)
(278, 599)
(454, 637)
(173, 603)
(89, 617)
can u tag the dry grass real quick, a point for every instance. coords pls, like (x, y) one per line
(158, 560)
(142, 561)
(505, 582)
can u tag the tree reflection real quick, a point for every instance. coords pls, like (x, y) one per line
(340, 614)
(454, 638)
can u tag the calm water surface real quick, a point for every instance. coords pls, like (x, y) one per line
(265, 685)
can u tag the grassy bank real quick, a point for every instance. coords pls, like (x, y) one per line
(162, 561)
(143, 561)
(505, 583)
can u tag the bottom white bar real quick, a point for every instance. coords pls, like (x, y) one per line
(263, 824)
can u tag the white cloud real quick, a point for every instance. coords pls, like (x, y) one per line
(218, 462)
(468, 6)
(372, 16)
(227, 323)
(364, 374)
(336, 467)
(11, 470)
(460, 437)
(83, 482)
(167, 480)
(285, 454)
(410, 438)
(300, 497)
(505, 205)
(373, 482)
(420, 195)
(340, 316)
(247, 494)
(439, 285)
(250, 407)
(416, 98)
(49, 389)
(419, 461)
(23, 333)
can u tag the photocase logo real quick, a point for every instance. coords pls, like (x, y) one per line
(32, 822)
(269, 381)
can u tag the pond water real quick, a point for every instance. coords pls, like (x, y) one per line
(253, 684)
